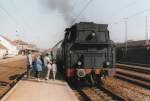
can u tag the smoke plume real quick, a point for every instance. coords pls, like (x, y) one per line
(64, 7)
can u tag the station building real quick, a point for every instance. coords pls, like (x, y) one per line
(23, 46)
(3, 51)
(7, 47)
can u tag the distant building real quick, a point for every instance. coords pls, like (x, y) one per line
(132, 43)
(23, 46)
(8, 44)
(3, 51)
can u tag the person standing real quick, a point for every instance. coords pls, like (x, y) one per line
(38, 66)
(46, 60)
(49, 67)
(29, 63)
(54, 69)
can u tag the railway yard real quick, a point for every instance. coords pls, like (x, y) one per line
(87, 70)
(74, 50)
(121, 87)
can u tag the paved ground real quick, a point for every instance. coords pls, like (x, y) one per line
(32, 90)
(10, 69)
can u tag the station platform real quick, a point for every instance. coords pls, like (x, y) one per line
(44, 90)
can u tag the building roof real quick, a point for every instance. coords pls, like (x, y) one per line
(20, 42)
(2, 47)
(24, 45)
(6, 38)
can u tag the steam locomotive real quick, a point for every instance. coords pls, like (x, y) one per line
(86, 52)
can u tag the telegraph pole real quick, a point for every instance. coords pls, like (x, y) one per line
(146, 31)
(126, 34)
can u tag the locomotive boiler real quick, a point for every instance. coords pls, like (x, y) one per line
(85, 52)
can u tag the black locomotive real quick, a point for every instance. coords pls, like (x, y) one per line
(86, 52)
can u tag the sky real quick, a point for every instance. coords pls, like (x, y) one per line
(42, 22)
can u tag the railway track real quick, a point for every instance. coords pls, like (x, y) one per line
(98, 93)
(136, 74)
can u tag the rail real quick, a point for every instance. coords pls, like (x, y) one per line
(136, 74)
(98, 93)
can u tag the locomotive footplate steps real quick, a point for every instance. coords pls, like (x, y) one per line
(32, 90)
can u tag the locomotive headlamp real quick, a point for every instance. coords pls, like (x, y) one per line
(70, 52)
(107, 63)
(79, 63)
(93, 34)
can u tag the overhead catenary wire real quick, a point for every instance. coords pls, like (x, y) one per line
(12, 18)
(22, 19)
(74, 5)
(81, 11)
(133, 15)
(138, 13)
(124, 7)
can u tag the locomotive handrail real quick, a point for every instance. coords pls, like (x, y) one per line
(56, 44)
(93, 43)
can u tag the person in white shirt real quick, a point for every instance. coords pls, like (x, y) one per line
(49, 68)
(54, 69)
(46, 60)
(46, 68)
(29, 63)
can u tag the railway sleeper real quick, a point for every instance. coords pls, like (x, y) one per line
(103, 95)
(109, 92)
